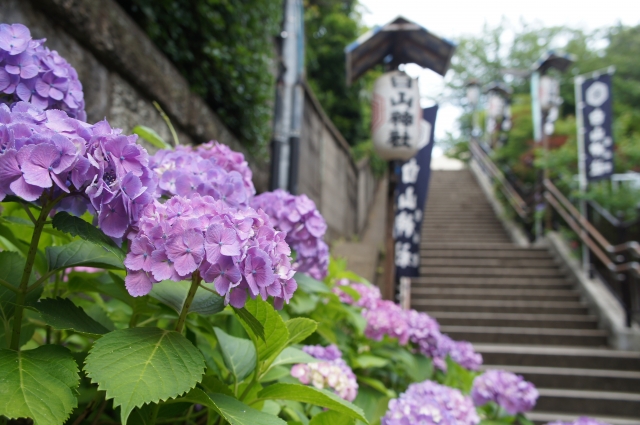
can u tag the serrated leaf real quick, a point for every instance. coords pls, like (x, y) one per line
(61, 313)
(233, 411)
(81, 253)
(12, 266)
(311, 395)
(76, 226)
(249, 320)
(143, 365)
(331, 418)
(38, 384)
(291, 355)
(276, 334)
(299, 329)
(151, 136)
(174, 294)
(239, 354)
(310, 285)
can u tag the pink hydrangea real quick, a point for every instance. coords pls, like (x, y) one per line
(332, 372)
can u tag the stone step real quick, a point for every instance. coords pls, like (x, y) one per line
(514, 252)
(605, 403)
(563, 321)
(575, 378)
(488, 282)
(494, 294)
(489, 306)
(528, 336)
(490, 271)
(541, 418)
(562, 357)
(478, 246)
(489, 262)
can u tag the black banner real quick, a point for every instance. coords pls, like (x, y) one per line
(411, 196)
(597, 118)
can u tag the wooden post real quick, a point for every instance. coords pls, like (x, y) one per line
(389, 290)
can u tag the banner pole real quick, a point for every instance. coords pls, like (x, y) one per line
(582, 166)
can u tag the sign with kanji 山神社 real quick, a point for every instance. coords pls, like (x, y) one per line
(396, 116)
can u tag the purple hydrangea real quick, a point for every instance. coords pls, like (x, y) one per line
(211, 169)
(369, 294)
(235, 249)
(85, 166)
(384, 318)
(510, 391)
(298, 217)
(429, 403)
(32, 73)
(331, 372)
(583, 420)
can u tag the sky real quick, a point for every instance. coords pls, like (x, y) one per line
(453, 18)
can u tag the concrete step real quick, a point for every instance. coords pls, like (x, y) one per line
(493, 282)
(561, 357)
(494, 294)
(489, 262)
(490, 271)
(489, 306)
(540, 418)
(477, 246)
(513, 252)
(532, 336)
(576, 379)
(519, 320)
(605, 403)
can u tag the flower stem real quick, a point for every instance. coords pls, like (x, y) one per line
(195, 282)
(26, 274)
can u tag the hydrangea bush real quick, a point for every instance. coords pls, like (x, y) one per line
(145, 290)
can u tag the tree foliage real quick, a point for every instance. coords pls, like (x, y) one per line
(225, 49)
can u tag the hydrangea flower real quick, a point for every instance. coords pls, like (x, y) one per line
(210, 169)
(86, 166)
(32, 73)
(298, 217)
(369, 294)
(510, 391)
(235, 249)
(583, 420)
(429, 403)
(423, 331)
(332, 372)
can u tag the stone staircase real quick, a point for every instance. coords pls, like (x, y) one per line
(518, 308)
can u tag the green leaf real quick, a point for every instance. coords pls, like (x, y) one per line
(81, 253)
(12, 266)
(143, 365)
(76, 226)
(61, 313)
(377, 385)
(247, 319)
(151, 136)
(276, 334)
(310, 285)
(299, 329)
(233, 411)
(331, 417)
(291, 355)
(38, 384)
(367, 361)
(239, 354)
(174, 294)
(458, 377)
(275, 373)
(311, 395)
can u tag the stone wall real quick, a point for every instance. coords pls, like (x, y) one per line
(342, 189)
(123, 72)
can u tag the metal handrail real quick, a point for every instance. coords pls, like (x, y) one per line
(514, 198)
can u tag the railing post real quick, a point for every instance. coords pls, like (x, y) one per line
(624, 277)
